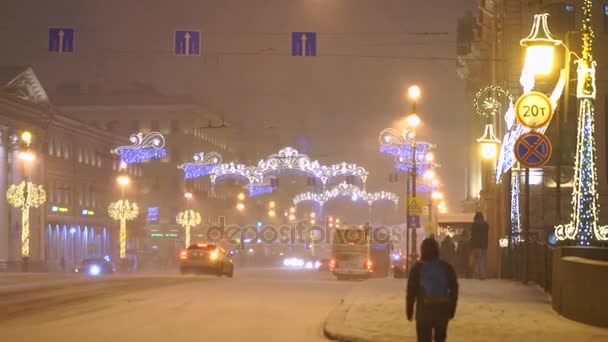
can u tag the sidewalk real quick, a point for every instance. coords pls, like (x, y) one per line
(488, 310)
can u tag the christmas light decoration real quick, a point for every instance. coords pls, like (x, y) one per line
(150, 146)
(188, 219)
(584, 227)
(123, 211)
(346, 190)
(341, 170)
(24, 196)
(232, 170)
(515, 215)
(487, 100)
(399, 145)
(203, 165)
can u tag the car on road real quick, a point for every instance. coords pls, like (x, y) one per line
(95, 267)
(206, 258)
(324, 265)
(400, 268)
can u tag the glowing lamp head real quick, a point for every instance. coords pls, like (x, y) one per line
(123, 180)
(123, 165)
(313, 215)
(27, 156)
(272, 213)
(413, 92)
(188, 195)
(429, 174)
(292, 217)
(240, 207)
(213, 255)
(430, 157)
(540, 46)
(271, 204)
(437, 195)
(292, 210)
(241, 196)
(488, 150)
(313, 221)
(413, 120)
(435, 182)
(26, 137)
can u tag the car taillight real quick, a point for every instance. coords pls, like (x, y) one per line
(369, 265)
(332, 263)
(183, 255)
(213, 255)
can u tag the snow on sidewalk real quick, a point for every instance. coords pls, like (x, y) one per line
(488, 310)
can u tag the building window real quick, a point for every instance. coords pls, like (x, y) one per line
(174, 126)
(155, 125)
(561, 17)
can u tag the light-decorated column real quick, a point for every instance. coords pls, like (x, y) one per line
(123, 211)
(188, 219)
(4, 208)
(584, 227)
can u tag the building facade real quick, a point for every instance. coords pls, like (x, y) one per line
(490, 55)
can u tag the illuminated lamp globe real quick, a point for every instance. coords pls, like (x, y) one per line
(413, 92)
(540, 46)
(26, 137)
(413, 120)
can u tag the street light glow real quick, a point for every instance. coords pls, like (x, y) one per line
(240, 207)
(430, 157)
(413, 120)
(188, 195)
(27, 156)
(313, 215)
(241, 196)
(26, 137)
(272, 213)
(292, 210)
(488, 150)
(435, 182)
(429, 174)
(271, 204)
(413, 92)
(123, 180)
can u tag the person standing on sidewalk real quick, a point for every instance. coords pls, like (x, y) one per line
(479, 245)
(433, 288)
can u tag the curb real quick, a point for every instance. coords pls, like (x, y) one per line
(335, 329)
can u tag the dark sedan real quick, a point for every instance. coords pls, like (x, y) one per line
(95, 267)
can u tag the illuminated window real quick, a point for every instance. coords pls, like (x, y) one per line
(561, 17)
(606, 17)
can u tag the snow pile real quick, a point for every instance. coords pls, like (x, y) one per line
(489, 310)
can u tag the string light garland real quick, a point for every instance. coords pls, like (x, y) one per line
(188, 219)
(515, 214)
(203, 165)
(123, 211)
(24, 196)
(346, 190)
(150, 146)
(584, 227)
(487, 102)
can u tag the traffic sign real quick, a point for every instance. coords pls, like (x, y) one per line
(415, 206)
(533, 110)
(532, 149)
(61, 40)
(413, 221)
(304, 44)
(187, 43)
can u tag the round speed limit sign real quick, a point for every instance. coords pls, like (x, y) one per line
(533, 109)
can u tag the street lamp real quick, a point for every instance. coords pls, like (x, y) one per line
(272, 213)
(240, 206)
(241, 196)
(540, 47)
(188, 195)
(413, 120)
(271, 204)
(488, 142)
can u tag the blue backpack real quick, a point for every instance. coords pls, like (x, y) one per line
(434, 282)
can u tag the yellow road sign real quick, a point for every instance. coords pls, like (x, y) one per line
(415, 206)
(533, 109)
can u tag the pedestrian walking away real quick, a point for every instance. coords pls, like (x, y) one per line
(432, 289)
(479, 245)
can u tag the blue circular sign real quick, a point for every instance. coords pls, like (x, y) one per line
(532, 149)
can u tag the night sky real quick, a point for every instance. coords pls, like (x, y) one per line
(332, 106)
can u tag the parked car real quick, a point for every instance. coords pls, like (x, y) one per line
(206, 258)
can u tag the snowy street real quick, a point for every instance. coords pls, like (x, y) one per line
(256, 305)
(489, 310)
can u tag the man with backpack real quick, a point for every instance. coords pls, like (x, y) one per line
(433, 288)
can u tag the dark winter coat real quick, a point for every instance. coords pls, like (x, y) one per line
(415, 295)
(448, 250)
(479, 235)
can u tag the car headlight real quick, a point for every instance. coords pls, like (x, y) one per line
(94, 270)
(214, 255)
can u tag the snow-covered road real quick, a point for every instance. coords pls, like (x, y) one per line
(256, 305)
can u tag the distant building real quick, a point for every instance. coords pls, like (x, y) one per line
(189, 128)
